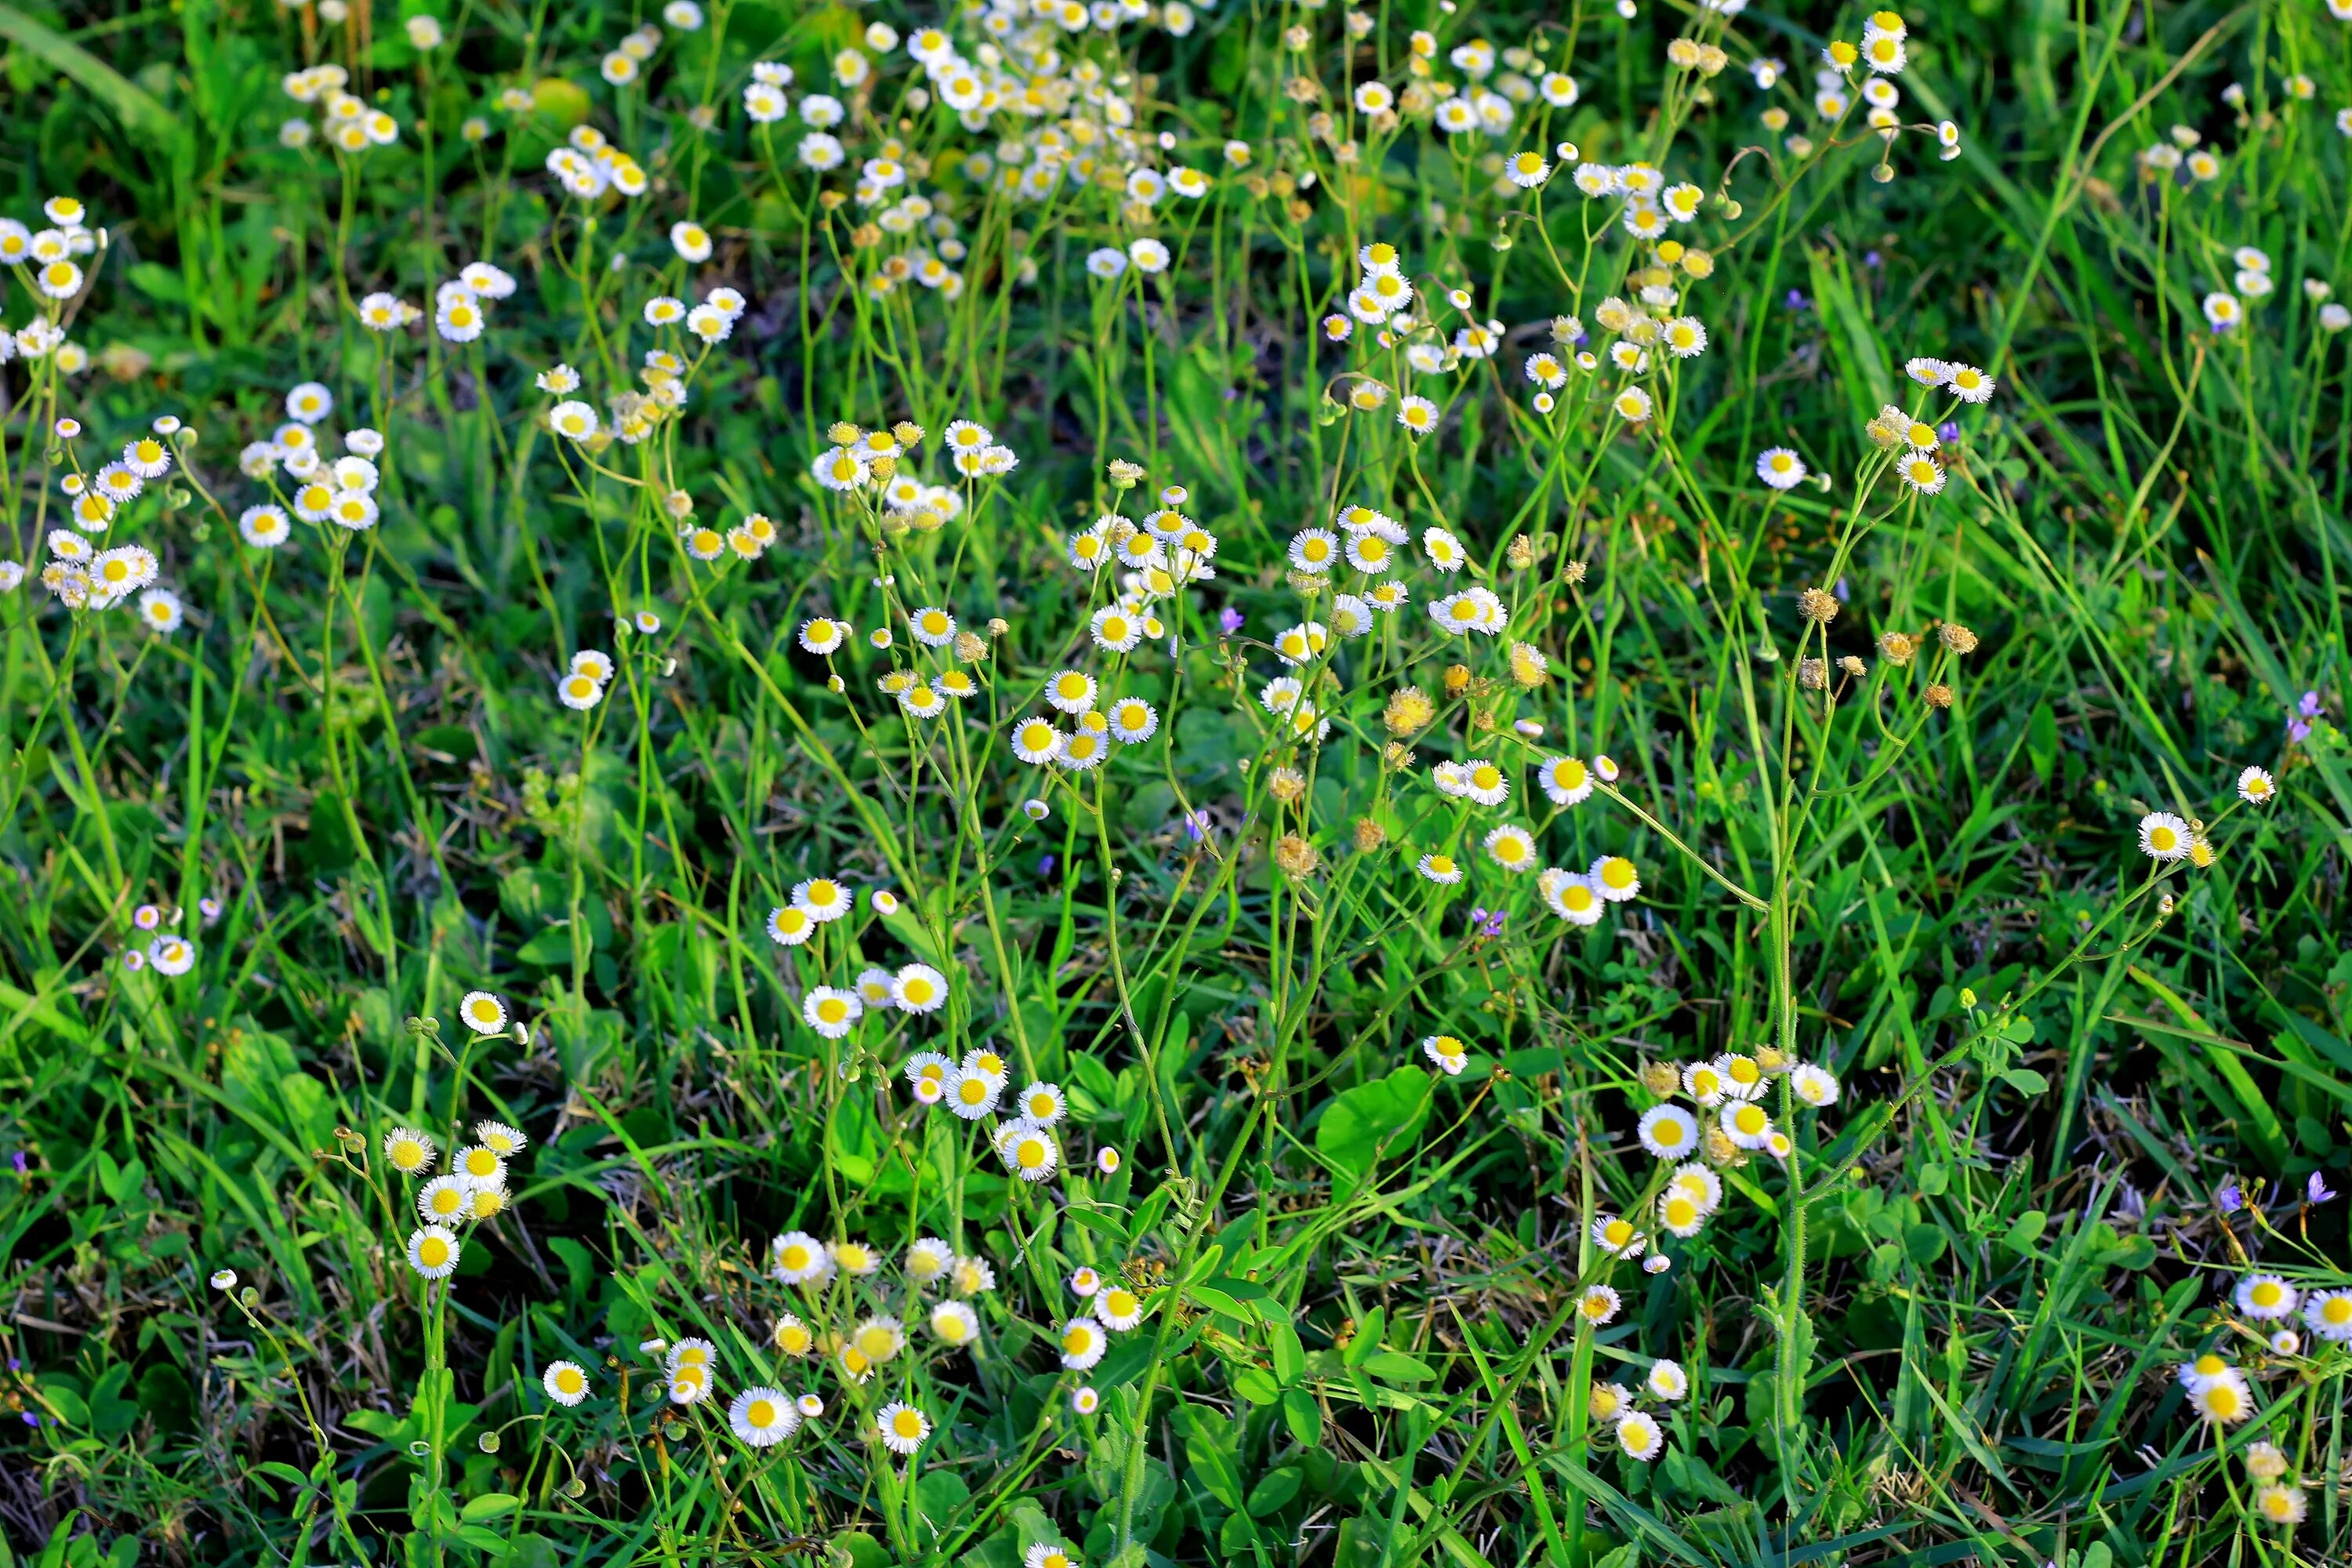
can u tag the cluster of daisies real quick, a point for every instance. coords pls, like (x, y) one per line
(1881, 55)
(166, 949)
(303, 481)
(973, 1088)
(582, 685)
(2224, 310)
(862, 460)
(472, 1188)
(80, 572)
(1916, 443)
(44, 260)
(1730, 1089)
(2168, 838)
(348, 123)
(2222, 1393)
(1578, 898)
(1157, 557)
(1383, 299)
(1616, 1411)
(760, 1417)
(632, 416)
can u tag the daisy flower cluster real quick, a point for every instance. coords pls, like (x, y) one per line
(1408, 334)
(303, 480)
(1631, 1420)
(472, 1189)
(166, 950)
(84, 573)
(48, 262)
(1155, 559)
(2170, 840)
(1726, 1124)
(1022, 1131)
(345, 119)
(2221, 1391)
(666, 374)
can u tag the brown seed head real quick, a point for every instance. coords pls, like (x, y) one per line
(1897, 648)
(1293, 855)
(1940, 695)
(1818, 605)
(1409, 708)
(1369, 835)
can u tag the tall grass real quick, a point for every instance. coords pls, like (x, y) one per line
(1175, 783)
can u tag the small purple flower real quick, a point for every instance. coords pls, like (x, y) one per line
(1796, 301)
(1486, 922)
(18, 1160)
(1196, 825)
(31, 1419)
(1949, 430)
(2229, 1199)
(2298, 732)
(2316, 1190)
(2309, 706)
(1045, 865)
(1228, 620)
(1871, 259)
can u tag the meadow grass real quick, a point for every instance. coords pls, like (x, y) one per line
(1153, 783)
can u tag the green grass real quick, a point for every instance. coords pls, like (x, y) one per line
(2082, 1094)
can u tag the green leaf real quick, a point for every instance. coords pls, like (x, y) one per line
(146, 119)
(2042, 741)
(1217, 1301)
(489, 1505)
(2025, 1080)
(1371, 1118)
(1395, 1366)
(1303, 1416)
(1213, 1469)
(1289, 1355)
(1256, 1384)
(2025, 1230)
(1277, 1488)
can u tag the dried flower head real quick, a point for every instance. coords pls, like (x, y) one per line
(1853, 668)
(1897, 648)
(1575, 572)
(1940, 695)
(1287, 783)
(1409, 709)
(1661, 1078)
(1293, 855)
(1369, 835)
(1818, 605)
(1956, 637)
(1812, 674)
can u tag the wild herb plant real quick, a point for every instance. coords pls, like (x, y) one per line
(1138, 783)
